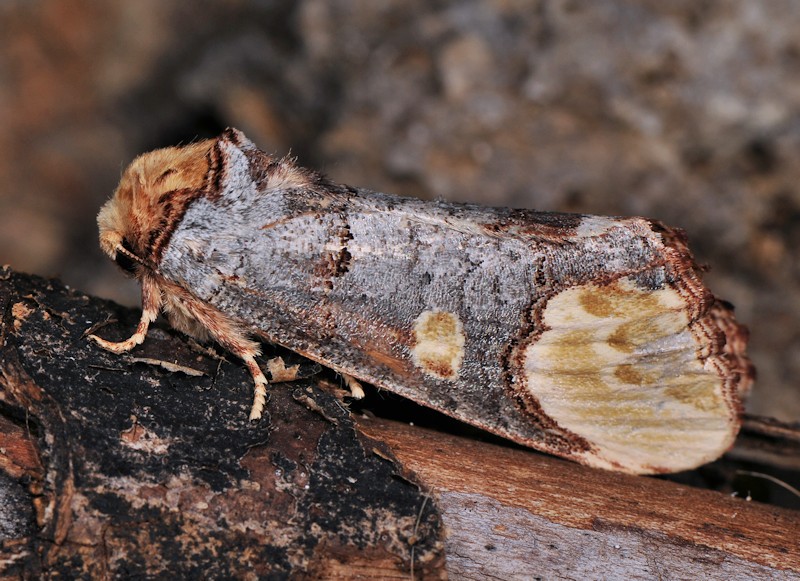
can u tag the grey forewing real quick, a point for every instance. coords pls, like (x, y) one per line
(342, 279)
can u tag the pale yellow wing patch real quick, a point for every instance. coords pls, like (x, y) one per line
(438, 344)
(619, 366)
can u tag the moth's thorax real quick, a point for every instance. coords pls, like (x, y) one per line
(151, 191)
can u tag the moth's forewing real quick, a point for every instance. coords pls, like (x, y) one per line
(589, 337)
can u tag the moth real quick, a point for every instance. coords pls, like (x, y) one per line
(589, 337)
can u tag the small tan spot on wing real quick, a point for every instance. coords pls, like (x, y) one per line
(439, 344)
(599, 305)
(699, 395)
(634, 375)
(617, 300)
(621, 339)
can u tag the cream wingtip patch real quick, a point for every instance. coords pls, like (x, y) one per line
(619, 366)
(438, 344)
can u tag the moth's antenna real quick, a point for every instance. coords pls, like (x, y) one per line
(120, 248)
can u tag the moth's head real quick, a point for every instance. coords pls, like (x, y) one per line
(134, 222)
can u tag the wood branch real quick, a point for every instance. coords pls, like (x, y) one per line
(768, 441)
(513, 514)
(114, 466)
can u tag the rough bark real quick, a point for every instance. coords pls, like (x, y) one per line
(114, 467)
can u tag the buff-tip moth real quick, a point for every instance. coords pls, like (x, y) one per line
(588, 337)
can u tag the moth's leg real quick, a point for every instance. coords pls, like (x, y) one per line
(151, 305)
(231, 335)
(260, 395)
(238, 344)
(356, 391)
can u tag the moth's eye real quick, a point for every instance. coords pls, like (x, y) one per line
(124, 261)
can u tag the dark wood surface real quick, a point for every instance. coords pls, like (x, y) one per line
(115, 467)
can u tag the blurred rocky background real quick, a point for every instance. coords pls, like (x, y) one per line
(684, 111)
